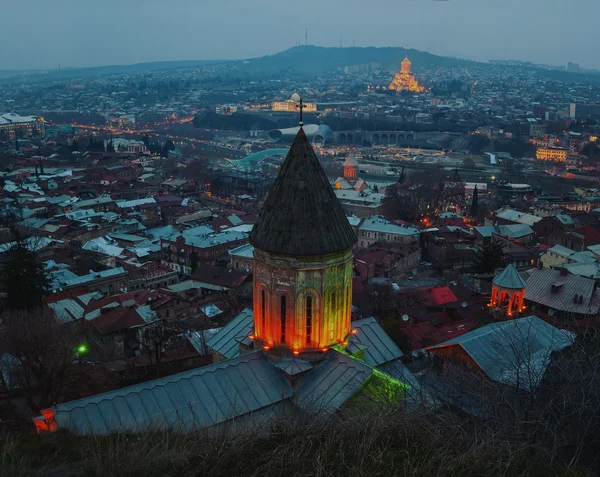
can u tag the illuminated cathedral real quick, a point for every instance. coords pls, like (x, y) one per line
(405, 80)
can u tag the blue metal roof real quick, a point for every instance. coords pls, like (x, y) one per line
(509, 278)
(294, 366)
(227, 341)
(514, 352)
(190, 400)
(332, 383)
(370, 336)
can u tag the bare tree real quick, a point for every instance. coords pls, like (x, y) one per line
(47, 362)
(154, 339)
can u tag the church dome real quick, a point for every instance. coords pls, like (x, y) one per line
(351, 160)
(302, 215)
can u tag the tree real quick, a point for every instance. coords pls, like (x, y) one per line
(474, 203)
(154, 339)
(24, 280)
(491, 258)
(47, 357)
(169, 146)
(110, 147)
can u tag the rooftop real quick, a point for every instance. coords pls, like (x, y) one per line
(301, 215)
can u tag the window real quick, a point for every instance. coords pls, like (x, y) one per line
(308, 319)
(282, 312)
(333, 311)
(263, 308)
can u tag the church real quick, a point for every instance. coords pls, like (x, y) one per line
(405, 80)
(351, 179)
(297, 349)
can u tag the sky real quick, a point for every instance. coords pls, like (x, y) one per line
(79, 33)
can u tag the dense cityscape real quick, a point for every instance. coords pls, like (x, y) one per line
(325, 232)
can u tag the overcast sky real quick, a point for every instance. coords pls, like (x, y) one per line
(46, 33)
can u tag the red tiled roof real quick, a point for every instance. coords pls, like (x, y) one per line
(116, 320)
(588, 232)
(439, 296)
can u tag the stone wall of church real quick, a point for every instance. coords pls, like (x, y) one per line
(317, 295)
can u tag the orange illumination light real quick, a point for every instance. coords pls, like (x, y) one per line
(251, 337)
(296, 353)
(353, 332)
(266, 348)
(324, 350)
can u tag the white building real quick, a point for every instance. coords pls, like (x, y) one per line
(377, 229)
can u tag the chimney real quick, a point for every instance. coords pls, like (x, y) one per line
(563, 272)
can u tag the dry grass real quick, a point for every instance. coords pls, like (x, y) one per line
(389, 444)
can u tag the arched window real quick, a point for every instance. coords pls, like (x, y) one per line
(282, 312)
(263, 311)
(309, 316)
(333, 315)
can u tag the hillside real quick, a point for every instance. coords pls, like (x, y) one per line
(313, 60)
(349, 445)
(71, 73)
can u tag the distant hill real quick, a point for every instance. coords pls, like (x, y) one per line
(317, 59)
(299, 62)
(71, 73)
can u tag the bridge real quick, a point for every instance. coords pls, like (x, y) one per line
(252, 161)
(381, 138)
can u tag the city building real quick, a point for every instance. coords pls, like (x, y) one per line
(405, 80)
(551, 154)
(584, 111)
(14, 126)
(291, 105)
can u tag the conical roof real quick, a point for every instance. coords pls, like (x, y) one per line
(351, 160)
(509, 278)
(302, 215)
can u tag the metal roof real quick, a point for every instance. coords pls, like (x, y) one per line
(509, 278)
(294, 366)
(190, 400)
(550, 288)
(332, 383)
(370, 336)
(227, 341)
(514, 352)
(90, 277)
(414, 394)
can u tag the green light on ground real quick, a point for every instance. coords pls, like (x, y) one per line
(82, 348)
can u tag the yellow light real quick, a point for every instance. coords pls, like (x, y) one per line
(325, 350)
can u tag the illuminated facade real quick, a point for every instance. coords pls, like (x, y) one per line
(351, 167)
(302, 260)
(405, 80)
(551, 154)
(508, 292)
(291, 105)
(13, 126)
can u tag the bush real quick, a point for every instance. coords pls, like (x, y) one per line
(390, 443)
